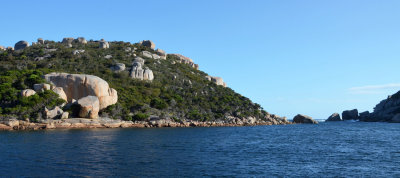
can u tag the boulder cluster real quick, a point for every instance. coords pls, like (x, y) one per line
(90, 92)
(138, 72)
(68, 41)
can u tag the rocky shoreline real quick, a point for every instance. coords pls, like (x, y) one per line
(102, 122)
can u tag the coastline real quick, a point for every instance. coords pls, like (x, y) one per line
(84, 123)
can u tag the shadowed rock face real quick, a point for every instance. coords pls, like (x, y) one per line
(21, 45)
(303, 119)
(350, 114)
(77, 86)
(149, 43)
(334, 117)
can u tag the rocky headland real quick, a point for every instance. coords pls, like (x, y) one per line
(79, 83)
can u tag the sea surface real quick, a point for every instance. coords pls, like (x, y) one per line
(337, 149)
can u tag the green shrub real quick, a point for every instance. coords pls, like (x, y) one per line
(141, 117)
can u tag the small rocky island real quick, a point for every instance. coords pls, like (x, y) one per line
(79, 83)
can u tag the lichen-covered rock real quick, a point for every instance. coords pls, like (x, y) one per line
(77, 86)
(27, 92)
(304, 119)
(148, 43)
(334, 117)
(21, 45)
(118, 67)
(350, 114)
(60, 92)
(53, 113)
(89, 107)
(41, 87)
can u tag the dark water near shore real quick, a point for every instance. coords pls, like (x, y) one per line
(324, 150)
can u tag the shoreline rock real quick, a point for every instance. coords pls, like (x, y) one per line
(102, 122)
(304, 119)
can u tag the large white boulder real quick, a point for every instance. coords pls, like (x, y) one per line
(77, 86)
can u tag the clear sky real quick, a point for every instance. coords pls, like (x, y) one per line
(312, 57)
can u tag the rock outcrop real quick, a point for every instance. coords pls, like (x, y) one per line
(68, 41)
(185, 60)
(21, 45)
(27, 92)
(147, 54)
(161, 53)
(78, 51)
(148, 74)
(60, 92)
(138, 60)
(387, 110)
(104, 44)
(77, 86)
(350, 114)
(40, 41)
(334, 117)
(303, 119)
(118, 67)
(81, 40)
(41, 87)
(89, 107)
(53, 113)
(148, 43)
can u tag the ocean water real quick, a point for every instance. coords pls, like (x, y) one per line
(324, 150)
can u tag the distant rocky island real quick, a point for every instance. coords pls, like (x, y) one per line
(79, 83)
(388, 110)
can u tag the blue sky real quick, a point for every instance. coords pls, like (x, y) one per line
(291, 56)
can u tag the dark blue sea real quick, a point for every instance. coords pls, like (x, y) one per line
(324, 150)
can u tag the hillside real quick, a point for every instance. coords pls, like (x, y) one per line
(153, 85)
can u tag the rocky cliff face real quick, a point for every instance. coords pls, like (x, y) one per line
(384, 111)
